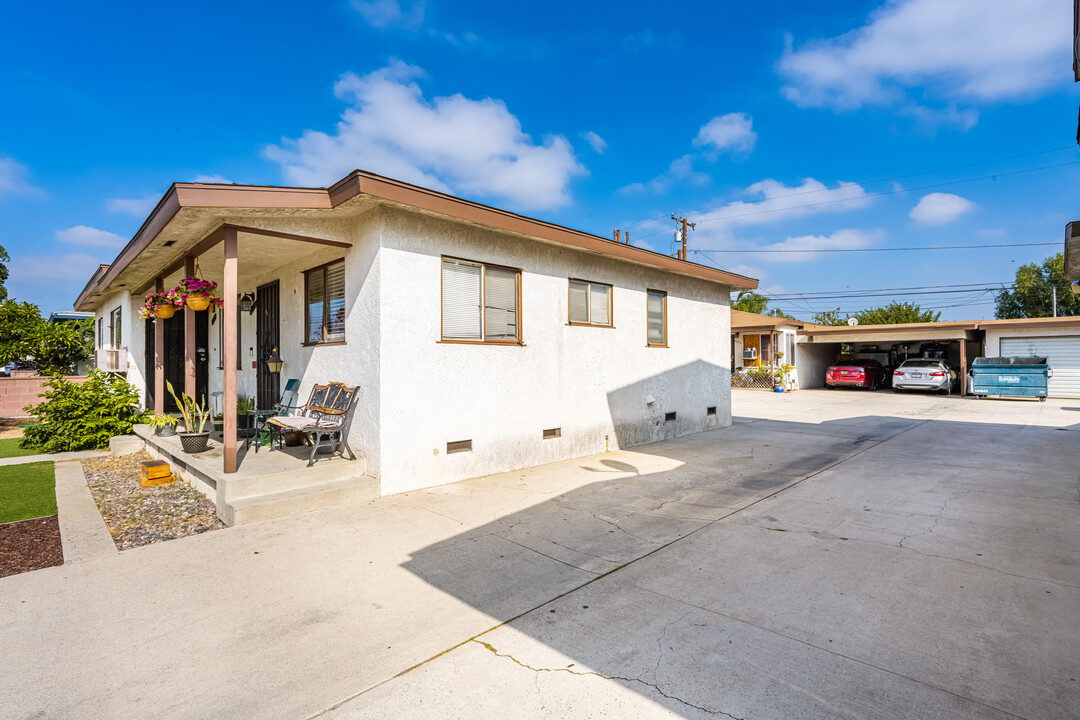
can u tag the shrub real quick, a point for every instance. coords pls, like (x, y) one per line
(82, 416)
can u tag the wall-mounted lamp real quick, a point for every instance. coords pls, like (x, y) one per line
(247, 302)
(274, 362)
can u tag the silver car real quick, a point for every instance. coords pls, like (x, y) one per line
(935, 375)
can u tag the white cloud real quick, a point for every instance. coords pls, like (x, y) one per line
(90, 237)
(598, 144)
(972, 50)
(139, 207)
(940, 208)
(63, 272)
(212, 179)
(792, 247)
(681, 170)
(783, 202)
(452, 144)
(14, 178)
(734, 132)
(391, 13)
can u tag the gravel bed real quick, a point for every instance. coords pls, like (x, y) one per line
(140, 516)
(30, 545)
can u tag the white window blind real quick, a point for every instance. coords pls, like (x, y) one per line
(579, 302)
(600, 304)
(316, 283)
(461, 300)
(656, 319)
(500, 304)
(335, 300)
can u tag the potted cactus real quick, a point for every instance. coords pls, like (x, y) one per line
(196, 417)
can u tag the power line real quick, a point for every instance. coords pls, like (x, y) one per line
(864, 195)
(915, 287)
(889, 179)
(895, 249)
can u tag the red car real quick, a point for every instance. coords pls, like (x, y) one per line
(856, 373)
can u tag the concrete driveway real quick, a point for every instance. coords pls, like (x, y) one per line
(833, 554)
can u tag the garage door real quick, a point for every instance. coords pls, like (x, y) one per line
(1063, 354)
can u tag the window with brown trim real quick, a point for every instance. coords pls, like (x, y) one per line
(100, 332)
(656, 315)
(480, 302)
(590, 303)
(116, 334)
(324, 288)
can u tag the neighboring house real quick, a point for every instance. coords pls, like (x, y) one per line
(83, 366)
(481, 340)
(767, 341)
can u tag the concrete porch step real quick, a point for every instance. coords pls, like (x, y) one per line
(294, 501)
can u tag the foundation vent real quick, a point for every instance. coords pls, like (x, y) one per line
(552, 433)
(711, 410)
(669, 417)
(458, 446)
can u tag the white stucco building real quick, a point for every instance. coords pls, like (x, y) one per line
(481, 340)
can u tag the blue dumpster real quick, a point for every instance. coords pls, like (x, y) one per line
(1010, 376)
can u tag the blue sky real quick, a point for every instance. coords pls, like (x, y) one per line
(773, 125)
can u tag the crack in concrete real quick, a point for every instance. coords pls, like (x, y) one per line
(826, 650)
(551, 557)
(592, 673)
(828, 536)
(936, 517)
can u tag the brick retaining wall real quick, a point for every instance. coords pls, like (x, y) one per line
(20, 390)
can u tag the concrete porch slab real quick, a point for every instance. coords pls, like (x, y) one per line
(268, 483)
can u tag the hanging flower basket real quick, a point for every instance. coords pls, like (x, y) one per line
(160, 305)
(197, 293)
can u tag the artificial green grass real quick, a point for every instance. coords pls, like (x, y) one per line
(27, 491)
(9, 448)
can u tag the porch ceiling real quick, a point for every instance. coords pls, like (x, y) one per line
(258, 254)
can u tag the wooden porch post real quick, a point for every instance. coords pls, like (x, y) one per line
(159, 356)
(189, 338)
(228, 291)
(963, 367)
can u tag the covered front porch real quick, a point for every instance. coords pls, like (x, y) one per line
(265, 484)
(221, 355)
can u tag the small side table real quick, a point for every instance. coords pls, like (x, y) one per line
(261, 419)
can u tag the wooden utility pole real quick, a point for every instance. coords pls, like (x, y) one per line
(693, 226)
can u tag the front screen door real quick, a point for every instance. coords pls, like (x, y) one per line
(267, 339)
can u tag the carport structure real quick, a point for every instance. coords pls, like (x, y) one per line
(962, 339)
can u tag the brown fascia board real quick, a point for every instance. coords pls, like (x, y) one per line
(1045, 322)
(854, 329)
(208, 195)
(360, 182)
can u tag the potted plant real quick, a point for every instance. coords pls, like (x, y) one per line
(199, 294)
(163, 425)
(196, 417)
(245, 415)
(160, 305)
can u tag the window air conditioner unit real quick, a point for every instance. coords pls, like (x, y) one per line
(111, 360)
(749, 353)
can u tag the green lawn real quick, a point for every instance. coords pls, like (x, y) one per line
(27, 491)
(9, 447)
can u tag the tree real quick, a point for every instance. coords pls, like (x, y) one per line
(892, 314)
(1033, 291)
(897, 313)
(751, 302)
(54, 348)
(831, 317)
